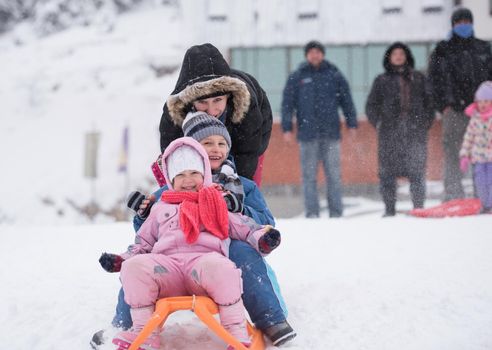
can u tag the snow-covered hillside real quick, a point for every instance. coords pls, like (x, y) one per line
(56, 89)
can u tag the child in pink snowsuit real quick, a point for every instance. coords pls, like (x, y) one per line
(477, 144)
(182, 247)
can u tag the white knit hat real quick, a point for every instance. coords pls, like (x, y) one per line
(184, 158)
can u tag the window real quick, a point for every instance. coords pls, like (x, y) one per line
(432, 6)
(217, 10)
(391, 6)
(307, 9)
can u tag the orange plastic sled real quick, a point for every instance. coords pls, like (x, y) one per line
(204, 308)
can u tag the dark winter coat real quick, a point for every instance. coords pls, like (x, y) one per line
(457, 67)
(205, 73)
(402, 135)
(315, 95)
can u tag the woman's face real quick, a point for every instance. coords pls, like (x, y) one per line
(216, 148)
(213, 106)
(398, 57)
(188, 181)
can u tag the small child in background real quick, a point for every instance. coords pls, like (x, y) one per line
(477, 144)
(182, 247)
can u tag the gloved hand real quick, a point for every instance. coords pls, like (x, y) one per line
(464, 164)
(269, 241)
(234, 203)
(111, 262)
(140, 203)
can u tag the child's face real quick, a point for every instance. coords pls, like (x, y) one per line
(484, 105)
(216, 147)
(188, 181)
(213, 106)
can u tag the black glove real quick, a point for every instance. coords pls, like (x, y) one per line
(269, 241)
(134, 201)
(234, 202)
(111, 262)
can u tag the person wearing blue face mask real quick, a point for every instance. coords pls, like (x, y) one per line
(457, 66)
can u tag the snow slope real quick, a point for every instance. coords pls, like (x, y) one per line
(360, 283)
(56, 89)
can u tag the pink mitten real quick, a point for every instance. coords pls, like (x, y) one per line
(464, 164)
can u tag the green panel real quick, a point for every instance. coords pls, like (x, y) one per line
(296, 56)
(272, 74)
(243, 59)
(375, 55)
(272, 67)
(252, 59)
(357, 76)
(339, 56)
(419, 52)
(237, 60)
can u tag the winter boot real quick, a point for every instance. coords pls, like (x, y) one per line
(239, 331)
(140, 317)
(234, 321)
(279, 333)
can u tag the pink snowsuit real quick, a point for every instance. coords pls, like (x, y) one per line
(162, 264)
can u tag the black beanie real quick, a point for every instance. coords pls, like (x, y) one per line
(461, 14)
(314, 45)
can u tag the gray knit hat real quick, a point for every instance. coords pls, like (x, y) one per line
(199, 125)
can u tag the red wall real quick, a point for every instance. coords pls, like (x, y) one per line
(359, 159)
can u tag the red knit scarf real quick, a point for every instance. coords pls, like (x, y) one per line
(205, 207)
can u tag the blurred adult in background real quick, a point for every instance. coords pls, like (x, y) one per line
(399, 107)
(206, 83)
(457, 67)
(314, 93)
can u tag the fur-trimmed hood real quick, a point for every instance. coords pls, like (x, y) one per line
(205, 73)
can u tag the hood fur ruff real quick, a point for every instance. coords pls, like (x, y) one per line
(178, 104)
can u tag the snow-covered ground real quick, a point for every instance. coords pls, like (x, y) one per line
(359, 283)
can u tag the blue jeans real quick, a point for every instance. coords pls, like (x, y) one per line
(261, 295)
(327, 152)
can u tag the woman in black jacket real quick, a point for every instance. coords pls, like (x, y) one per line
(399, 107)
(204, 80)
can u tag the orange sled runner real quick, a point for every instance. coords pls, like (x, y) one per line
(205, 309)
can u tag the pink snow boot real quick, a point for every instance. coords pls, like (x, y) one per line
(140, 317)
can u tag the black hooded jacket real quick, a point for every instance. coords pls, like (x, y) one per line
(402, 135)
(205, 73)
(456, 68)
